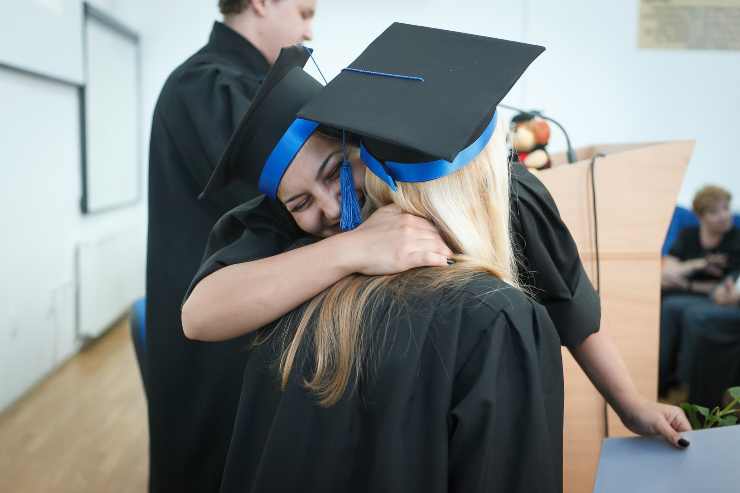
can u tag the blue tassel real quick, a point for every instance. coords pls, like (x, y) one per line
(351, 217)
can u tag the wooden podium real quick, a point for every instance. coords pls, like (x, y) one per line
(636, 187)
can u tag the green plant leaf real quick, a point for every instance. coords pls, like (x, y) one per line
(730, 408)
(713, 418)
(734, 392)
(728, 421)
(702, 410)
(690, 411)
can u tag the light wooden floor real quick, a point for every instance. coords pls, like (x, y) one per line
(81, 430)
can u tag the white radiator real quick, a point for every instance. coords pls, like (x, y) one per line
(110, 276)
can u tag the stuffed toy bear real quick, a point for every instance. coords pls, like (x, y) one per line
(529, 138)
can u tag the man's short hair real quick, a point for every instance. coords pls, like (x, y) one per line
(231, 7)
(708, 197)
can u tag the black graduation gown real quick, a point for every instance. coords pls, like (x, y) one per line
(549, 260)
(548, 257)
(192, 387)
(552, 269)
(467, 396)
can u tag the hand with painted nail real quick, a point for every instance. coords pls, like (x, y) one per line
(653, 418)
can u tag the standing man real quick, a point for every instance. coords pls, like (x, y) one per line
(193, 387)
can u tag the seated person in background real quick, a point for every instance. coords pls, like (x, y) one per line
(713, 333)
(701, 256)
(698, 261)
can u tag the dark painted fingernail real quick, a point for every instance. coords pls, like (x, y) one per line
(684, 443)
(450, 261)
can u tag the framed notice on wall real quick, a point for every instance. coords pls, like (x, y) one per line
(690, 24)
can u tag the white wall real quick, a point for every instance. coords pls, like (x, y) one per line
(592, 78)
(169, 33)
(21, 44)
(342, 29)
(42, 226)
(41, 189)
(38, 196)
(604, 89)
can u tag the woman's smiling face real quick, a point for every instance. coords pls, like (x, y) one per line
(310, 186)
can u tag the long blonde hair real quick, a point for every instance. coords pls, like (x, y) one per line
(470, 208)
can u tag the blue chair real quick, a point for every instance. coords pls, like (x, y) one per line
(137, 321)
(684, 218)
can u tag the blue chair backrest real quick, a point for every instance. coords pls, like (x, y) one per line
(684, 218)
(138, 323)
(137, 319)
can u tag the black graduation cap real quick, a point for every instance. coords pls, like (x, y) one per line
(269, 136)
(422, 100)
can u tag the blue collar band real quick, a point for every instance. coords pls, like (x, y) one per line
(283, 154)
(391, 172)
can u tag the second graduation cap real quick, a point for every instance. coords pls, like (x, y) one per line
(269, 136)
(422, 100)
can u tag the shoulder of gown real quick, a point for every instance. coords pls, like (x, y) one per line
(549, 263)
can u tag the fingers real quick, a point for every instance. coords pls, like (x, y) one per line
(433, 245)
(406, 219)
(715, 263)
(426, 259)
(416, 222)
(675, 281)
(680, 422)
(405, 234)
(672, 436)
(713, 270)
(718, 259)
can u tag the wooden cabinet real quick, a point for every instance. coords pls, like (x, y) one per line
(636, 186)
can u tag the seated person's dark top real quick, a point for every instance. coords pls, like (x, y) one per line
(467, 396)
(688, 247)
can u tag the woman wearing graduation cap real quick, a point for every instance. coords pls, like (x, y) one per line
(428, 100)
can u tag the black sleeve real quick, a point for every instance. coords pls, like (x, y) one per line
(733, 250)
(254, 230)
(680, 247)
(212, 100)
(549, 262)
(215, 99)
(507, 408)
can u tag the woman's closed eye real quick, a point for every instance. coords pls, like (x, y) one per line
(334, 174)
(300, 204)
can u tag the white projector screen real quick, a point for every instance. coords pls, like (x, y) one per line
(111, 163)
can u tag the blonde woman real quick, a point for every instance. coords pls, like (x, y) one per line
(437, 379)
